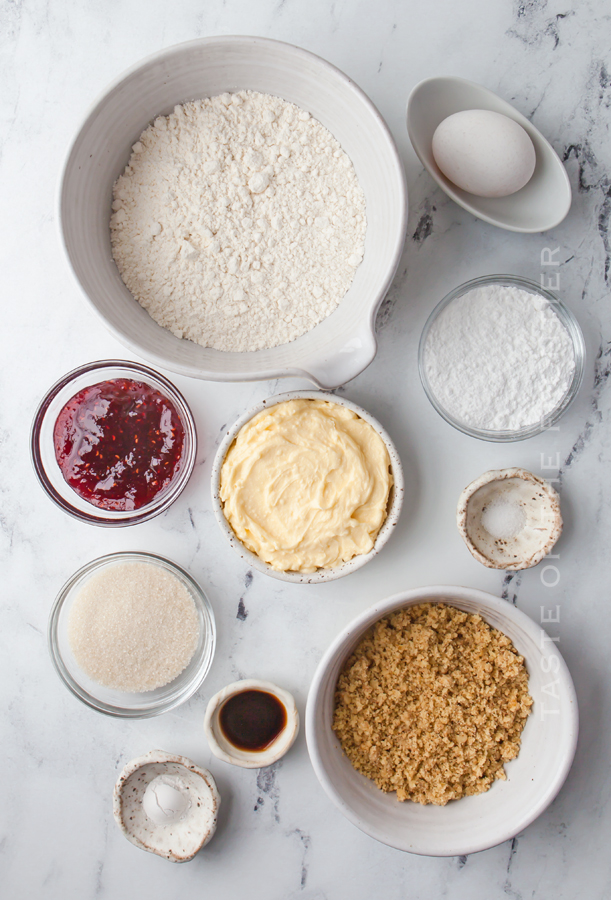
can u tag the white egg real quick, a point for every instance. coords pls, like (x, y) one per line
(484, 152)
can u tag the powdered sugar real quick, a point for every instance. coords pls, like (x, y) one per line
(239, 221)
(499, 358)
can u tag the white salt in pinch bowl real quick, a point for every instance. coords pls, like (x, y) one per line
(566, 317)
(509, 518)
(474, 823)
(122, 704)
(344, 343)
(182, 836)
(395, 499)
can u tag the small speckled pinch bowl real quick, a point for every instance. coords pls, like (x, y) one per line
(472, 823)
(176, 842)
(395, 499)
(542, 518)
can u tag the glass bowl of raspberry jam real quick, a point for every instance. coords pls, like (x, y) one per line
(113, 443)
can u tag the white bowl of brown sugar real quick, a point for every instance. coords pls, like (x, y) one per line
(442, 721)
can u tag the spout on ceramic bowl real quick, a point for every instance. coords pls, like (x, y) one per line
(332, 370)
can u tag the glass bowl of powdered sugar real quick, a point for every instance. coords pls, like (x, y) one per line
(501, 358)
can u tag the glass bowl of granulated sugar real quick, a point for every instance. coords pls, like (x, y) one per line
(255, 204)
(132, 635)
(501, 358)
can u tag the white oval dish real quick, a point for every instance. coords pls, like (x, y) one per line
(178, 841)
(540, 205)
(524, 491)
(224, 749)
(472, 823)
(343, 344)
(395, 500)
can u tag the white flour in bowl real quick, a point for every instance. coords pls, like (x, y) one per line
(499, 358)
(239, 221)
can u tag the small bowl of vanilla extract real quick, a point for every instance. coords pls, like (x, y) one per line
(251, 723)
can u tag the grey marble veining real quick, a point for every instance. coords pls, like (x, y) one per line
(279, 836)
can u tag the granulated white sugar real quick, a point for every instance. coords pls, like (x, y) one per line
(133, 627)
(239, 221)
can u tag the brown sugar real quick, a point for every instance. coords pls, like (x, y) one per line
(432, 703)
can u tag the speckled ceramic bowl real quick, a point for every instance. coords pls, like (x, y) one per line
(180, 841)
(395, 499)
(518, 489)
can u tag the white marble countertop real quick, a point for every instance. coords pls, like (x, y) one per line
(279, 835)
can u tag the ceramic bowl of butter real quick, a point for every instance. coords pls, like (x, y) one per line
(307, 487)
(341, 345)
(476, 819)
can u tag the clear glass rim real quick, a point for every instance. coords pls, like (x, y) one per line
(567, 318)
(154, 708)
(165, 498)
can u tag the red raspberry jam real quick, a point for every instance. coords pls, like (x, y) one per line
(118, 443)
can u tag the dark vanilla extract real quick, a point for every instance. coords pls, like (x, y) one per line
(252, 719)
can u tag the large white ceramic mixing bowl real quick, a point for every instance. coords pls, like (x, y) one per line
(343, 344)
(471, 823)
